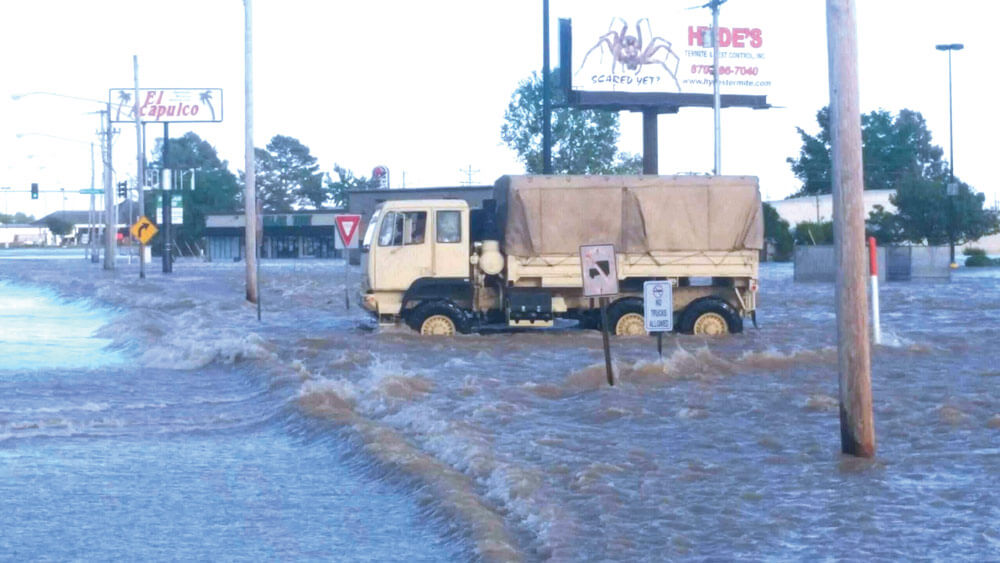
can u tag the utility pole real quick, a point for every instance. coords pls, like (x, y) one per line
(716, 104)
(468, 175)
(140, 163)
(546, 98)
(857, 425)
(250, 193)
(110, 222)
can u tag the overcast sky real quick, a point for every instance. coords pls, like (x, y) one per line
(421, 87)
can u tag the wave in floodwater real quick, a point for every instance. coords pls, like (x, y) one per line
(723, 448)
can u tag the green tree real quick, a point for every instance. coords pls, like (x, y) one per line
(18, 218)
(896, 150)
(778, 234)
(345, 182)
(287, 175)
(897, 154)
(812, 232)
(58, 226)
(926, 214)
(583, 141)
(216, 188)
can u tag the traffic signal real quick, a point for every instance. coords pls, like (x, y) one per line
(122, 189)
(34, 191)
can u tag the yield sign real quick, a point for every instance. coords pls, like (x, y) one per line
(347, 229)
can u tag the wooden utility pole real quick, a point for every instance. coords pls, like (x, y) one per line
(110, 220)
(857, 426)
(140, 181)
(250, 191)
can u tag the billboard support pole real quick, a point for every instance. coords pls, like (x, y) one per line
(650, 151)
(546, 99)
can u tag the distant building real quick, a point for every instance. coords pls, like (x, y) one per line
(363, 202)
(818, 208)
(25, 234)
(299, 234)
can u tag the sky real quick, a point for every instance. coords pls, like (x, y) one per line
(421, 87)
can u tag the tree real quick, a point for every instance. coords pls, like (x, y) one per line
(287, 175)
(778, 234)
(583, 141)
(927, 215)
(813, 232)
(17, 218)
(58, 226)
(895, 150)
(898, 155)
(346, 181)
(216, 188)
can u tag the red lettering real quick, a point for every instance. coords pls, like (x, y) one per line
(194, 110)
(159, 100)
(725, 37)
(756, 38)
(149, 97)
(739, 34)
(695, 35)
(170, 111)
(184, 109)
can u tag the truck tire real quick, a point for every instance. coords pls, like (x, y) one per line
(438, 318)
(710, 316)
(625, 318)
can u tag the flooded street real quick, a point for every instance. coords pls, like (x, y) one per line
(501, 447)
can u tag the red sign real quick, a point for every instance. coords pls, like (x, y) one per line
(347, 228)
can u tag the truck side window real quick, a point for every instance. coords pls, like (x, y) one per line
(414, 226)
(449, 226)
(385, 234)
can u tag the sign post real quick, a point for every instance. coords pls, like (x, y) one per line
(346, 239)
(600, 279)
(658, 309)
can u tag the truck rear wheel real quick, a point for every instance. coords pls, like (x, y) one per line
(625, 318)
(711, 316)
(438, 318)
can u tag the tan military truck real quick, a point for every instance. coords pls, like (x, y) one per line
(443, 268)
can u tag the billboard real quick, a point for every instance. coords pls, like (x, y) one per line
(192, 105)
(643, 47)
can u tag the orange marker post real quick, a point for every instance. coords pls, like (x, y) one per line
(873, 259)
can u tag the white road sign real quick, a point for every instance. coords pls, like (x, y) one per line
(347, 231)
(658, 306)
(600, 273)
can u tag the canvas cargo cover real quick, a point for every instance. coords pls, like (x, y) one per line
(638, 214)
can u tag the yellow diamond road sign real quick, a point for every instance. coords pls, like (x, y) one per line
(144, 230)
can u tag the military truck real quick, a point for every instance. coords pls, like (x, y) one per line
(443, 268)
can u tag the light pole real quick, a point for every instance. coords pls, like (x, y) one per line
(106, 132)
(952, 188)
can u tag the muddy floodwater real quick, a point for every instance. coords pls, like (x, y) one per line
(510, 446)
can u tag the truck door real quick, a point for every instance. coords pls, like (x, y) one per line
(451, 243)
(403, 251)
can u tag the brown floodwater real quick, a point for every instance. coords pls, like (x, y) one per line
(724, 448)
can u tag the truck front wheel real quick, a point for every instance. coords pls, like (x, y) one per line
(625, 318)
(711, 316)
(438, 318)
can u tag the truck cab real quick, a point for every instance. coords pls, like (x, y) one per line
(416, 250)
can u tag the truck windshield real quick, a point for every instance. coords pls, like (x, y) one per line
(370, 231)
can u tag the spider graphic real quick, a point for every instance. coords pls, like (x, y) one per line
(629, 51)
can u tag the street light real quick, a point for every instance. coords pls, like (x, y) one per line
(91, 215)
(109, 230)
(952, 188)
